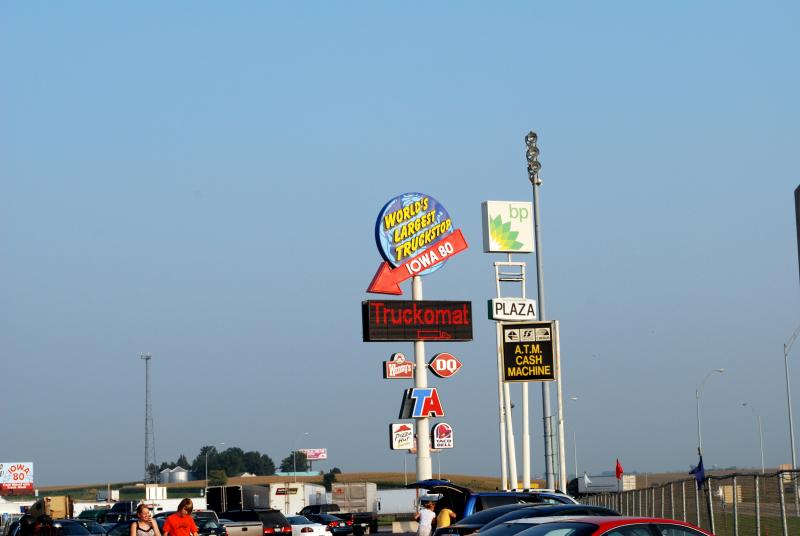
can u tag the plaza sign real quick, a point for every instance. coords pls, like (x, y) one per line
(512, 309)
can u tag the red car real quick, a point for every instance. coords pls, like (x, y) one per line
(615, 526)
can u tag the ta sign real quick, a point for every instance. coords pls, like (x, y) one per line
(421, 402)
(444, 365)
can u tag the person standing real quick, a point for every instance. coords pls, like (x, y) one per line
(425, 518)
(181, 522)
(144, 524)
(445, 517)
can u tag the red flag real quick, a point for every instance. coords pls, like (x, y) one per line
(619, 470)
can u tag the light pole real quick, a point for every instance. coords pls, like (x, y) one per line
(574, 443)
(786, 348)
(698, 393)
(208, 449)
(760, 435)
(534, 166)
(294, 454)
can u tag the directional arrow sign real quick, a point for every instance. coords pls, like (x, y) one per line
(387, 280)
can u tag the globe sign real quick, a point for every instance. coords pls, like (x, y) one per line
(408, 225)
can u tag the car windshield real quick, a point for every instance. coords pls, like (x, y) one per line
(566, 528)
(298, 520)
(484, 516)
(71, 529)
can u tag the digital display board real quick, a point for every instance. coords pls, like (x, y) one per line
(406, 320)
(529, 351)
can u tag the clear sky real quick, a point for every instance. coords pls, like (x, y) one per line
(200, 180)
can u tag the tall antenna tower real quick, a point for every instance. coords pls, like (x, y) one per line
(149, 437)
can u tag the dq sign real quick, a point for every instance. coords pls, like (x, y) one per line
(444, 365)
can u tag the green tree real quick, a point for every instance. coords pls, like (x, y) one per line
(152, 473)
(296, 460)
(217, 478)
(328, 479)
(182, 461)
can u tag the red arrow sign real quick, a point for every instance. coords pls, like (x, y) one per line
(387, 281)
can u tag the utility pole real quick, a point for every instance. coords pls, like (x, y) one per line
(533, 175)
(149, 437)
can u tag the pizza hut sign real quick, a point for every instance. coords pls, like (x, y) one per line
(398, 368)
(401, 436)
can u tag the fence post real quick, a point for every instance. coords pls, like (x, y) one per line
(735, 508)
(783, 505)
(663, 491)
(671, 501)
(697, 504)
(711, 506)
(758, 508)
(683, 499)
(653, 502)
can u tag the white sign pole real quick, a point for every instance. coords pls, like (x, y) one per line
(526, 428)
(424, 467)
(502, 408)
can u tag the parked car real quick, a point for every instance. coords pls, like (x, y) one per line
(336, 525)
(477, 520)
(123, 528)
(273, 521)
(96, 514)
(69, 527)
(13, 529)
(615, 525)
(92, 526)
(302, 526)
(465, 502)
(544, 510)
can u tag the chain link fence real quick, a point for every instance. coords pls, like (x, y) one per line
(733, 505)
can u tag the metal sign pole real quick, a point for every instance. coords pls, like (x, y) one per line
(424, 467)
(502, 408)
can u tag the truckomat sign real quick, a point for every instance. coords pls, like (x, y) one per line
(529, 351)
(16, 477)
(406, 320)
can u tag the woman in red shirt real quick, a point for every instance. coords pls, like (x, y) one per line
(181, 523)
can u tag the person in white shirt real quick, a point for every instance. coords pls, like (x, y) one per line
(425, 517)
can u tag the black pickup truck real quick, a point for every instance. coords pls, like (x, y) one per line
(362, 522)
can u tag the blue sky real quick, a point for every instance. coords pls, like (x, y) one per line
(200, 180)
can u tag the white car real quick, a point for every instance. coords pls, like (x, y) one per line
(302, 526)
